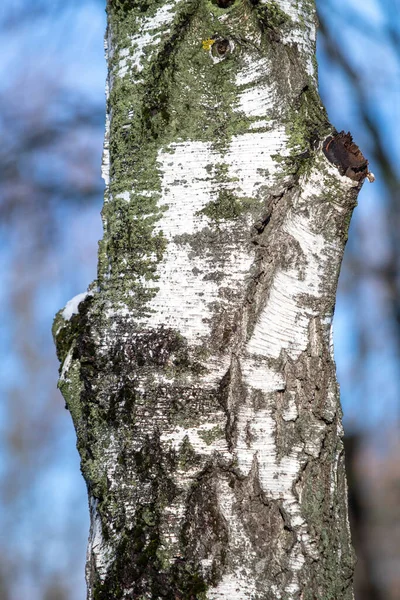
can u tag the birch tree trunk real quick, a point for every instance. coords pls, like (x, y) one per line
(198, 368)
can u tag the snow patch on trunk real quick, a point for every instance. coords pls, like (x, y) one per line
(72, 306)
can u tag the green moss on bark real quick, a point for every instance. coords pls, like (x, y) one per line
(272, 18)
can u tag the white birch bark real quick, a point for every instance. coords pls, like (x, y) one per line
(198, 369)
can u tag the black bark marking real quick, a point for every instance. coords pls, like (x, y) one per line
(205, 534)
(264, 220)
(342, 152)
(224, 3)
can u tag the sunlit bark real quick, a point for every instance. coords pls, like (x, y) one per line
(198, 369)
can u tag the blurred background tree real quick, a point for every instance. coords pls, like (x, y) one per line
(51, 125)
(360, 86)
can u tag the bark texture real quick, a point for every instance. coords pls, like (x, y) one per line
(198, 368)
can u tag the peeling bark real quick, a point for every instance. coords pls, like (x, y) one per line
(198, 368)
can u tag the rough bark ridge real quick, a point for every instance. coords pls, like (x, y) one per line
(198, 368)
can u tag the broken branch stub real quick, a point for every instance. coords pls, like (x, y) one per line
(341, 151)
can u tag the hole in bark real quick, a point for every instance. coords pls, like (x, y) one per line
(221, 47)
(224, 3)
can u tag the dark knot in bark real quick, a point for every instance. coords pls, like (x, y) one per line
(221, 47)
(224, 3)
(341, 151)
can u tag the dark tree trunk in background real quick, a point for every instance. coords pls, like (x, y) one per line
(198, 368)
